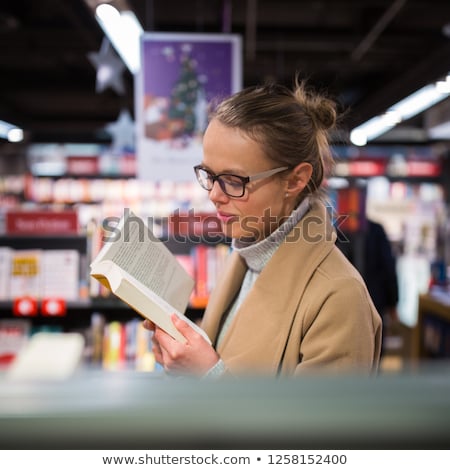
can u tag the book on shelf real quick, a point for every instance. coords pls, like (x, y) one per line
(26, 279)
(139, 269)
(127, 345)
(201, 296)
(14, 334)
(61, 274)
(39, 273)
(5, 272)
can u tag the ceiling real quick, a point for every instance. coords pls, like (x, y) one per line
(367, 54)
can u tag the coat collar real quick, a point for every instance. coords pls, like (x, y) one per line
(262, 324)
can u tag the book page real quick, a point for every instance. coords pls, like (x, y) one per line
(145, 258)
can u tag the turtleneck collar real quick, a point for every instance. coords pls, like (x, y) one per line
(257, 254)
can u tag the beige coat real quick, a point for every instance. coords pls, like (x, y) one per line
(308, 311)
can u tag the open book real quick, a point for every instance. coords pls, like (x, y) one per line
(139, 269)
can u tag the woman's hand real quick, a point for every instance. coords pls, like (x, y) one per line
(195, 357)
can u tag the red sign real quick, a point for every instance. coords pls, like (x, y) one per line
(53, 307)
(25, 307)
(197, 224)
(423, 169)
(41, 223)
(83, 165)
(127, 165)
(367, 168)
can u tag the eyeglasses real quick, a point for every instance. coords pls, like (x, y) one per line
(231, 185)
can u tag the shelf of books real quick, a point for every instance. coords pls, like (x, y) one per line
(50, 231)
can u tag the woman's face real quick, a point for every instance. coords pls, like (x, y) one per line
(263, 206)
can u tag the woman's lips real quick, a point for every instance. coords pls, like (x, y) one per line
(226, 218)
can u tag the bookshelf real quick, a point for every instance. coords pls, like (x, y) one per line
(191, 234)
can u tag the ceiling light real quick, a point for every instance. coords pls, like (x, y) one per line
(417, 102)
(124, 31)
(10, 132)
(372, 128)
(444, 86)
(412, 105)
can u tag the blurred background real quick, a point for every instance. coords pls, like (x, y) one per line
(73, 151)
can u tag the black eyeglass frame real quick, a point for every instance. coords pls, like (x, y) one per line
(244, 179)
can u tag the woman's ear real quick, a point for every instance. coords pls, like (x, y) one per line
(299, 178)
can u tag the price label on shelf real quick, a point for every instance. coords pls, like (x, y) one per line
(25, 306)
(53, 307)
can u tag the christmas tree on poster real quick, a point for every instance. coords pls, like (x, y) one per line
(183, 98)
(184, 114)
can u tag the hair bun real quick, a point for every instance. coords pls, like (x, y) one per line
(322, 110)
(325, 113)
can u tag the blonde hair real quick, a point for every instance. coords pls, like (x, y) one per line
(293, 126)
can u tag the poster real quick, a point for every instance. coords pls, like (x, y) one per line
(180, 75)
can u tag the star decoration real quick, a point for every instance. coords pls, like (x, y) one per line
(109, 68)
(122, 132)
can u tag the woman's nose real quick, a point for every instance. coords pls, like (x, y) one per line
(216, 194)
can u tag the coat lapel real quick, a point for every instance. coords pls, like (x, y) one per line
(227, 288)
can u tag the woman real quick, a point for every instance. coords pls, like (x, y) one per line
(288, 302)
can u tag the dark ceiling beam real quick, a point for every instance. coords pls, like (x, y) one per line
(77, 14)
(370, 38)
(250, 29)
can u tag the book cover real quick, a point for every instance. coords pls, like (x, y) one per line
(26, 278)
(60, 274)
